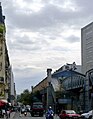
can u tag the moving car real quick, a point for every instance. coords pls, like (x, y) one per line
(37, 109)
(69, 114)
(87, 115)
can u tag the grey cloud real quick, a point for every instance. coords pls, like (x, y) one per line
(59, 48)
(6, 3)
(72, 39)
(45, 1)
(24, 40)
(22, 43)
(25, 43)
(54, 61)
(86, 6)
(28, 70)
(28, 44)
(33, 21)
(53, 37)
(31, 1)
(16, 46)
(50, 15)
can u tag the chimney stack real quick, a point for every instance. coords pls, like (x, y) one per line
(49, 74)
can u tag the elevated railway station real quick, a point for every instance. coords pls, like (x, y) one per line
(63, 89)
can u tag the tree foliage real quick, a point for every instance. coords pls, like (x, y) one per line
(37, 96)
(25, 97)
(28, 97)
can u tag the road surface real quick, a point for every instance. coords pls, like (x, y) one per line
(19, 116)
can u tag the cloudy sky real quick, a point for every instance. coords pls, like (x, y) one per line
(43, 34)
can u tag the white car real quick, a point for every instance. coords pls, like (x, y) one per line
(87, 115)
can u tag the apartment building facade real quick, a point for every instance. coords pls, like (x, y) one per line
(3, 57)
(7, 86)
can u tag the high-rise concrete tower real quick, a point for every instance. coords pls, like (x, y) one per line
(87, 47)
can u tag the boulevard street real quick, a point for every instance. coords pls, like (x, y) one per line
(18, 116)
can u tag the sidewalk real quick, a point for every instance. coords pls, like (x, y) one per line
(56, 117)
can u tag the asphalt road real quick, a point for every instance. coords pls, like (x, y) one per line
(19, 116)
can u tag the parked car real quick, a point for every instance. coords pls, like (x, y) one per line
(69, 114)
(87, 115)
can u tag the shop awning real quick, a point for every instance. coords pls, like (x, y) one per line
(2, 103)
(4, 100)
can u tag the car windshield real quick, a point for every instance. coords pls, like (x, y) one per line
(70, 112)
(90, 112)
(37, 106)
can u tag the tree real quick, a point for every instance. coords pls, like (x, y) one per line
(25, 97)
(37, 97)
